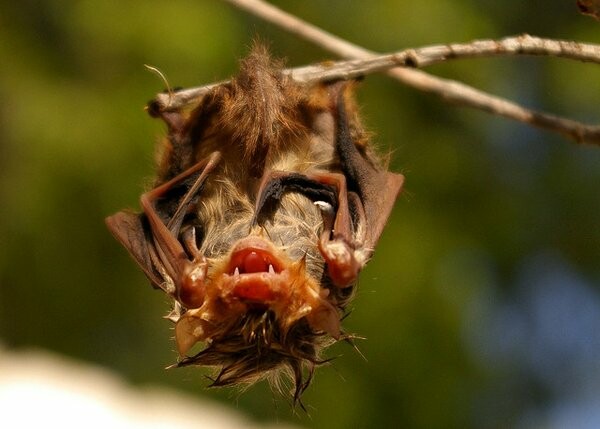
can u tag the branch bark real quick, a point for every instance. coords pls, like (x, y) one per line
(401, 66)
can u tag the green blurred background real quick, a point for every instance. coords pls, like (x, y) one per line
(481, 307)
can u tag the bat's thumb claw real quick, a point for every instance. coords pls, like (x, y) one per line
(343, 262)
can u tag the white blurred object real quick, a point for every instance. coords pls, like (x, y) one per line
(39, 389)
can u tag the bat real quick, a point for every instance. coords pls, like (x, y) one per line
(268, 202)
(589, 7)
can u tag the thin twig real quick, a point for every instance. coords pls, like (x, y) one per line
(430, 55)
(447, 89)
(420, 57)
(519, 45)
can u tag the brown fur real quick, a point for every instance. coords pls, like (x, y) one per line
(274, 125)
(261, 122)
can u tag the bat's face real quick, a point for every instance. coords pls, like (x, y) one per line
(268, 203)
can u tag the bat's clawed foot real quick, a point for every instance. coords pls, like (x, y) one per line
(343, 260)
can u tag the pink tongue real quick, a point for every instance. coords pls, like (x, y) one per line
(254, 263)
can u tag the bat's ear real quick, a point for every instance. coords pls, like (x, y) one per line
(376, 187)
(128, 228)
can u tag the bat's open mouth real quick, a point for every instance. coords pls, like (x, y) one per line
(255, 273)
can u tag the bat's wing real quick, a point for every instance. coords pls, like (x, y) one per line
(376, 187)
(128, 228)
(379, 194)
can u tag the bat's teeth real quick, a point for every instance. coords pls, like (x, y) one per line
(271, 269)
(236, 272)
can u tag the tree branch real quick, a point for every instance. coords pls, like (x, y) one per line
(446, 89)
(403, 62)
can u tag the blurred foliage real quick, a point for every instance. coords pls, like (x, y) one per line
(487, 274)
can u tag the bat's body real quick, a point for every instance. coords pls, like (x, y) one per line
(268, 202)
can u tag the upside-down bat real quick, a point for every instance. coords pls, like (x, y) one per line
(589, 7)
(267, 203)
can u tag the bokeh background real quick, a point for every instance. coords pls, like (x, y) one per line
(481, 307)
